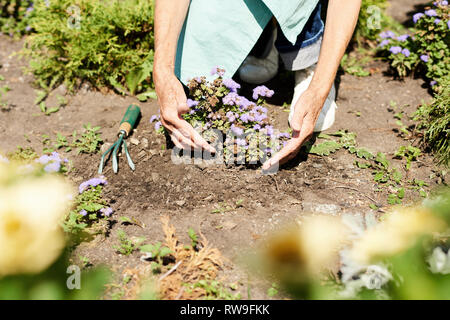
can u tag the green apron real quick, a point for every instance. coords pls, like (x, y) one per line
(223, 32)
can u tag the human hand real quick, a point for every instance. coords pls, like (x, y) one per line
(173, 104)
(305, 116)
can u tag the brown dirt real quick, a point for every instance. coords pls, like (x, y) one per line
(188, 194)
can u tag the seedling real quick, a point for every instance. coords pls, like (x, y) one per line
(126, 245)
(89, 141)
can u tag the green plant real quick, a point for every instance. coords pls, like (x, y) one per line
(3, 91)
(434, 123)
(126, 245)
(372, 18)
(423, 48)
(22, 154)
(194, 238)
(157, 253)
(90, 211)
(89, 141)
(214, 290)
(15, 16)
(410, 153)
(355, 66)
(107, 43)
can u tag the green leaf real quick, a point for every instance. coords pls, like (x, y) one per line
(147, 95)
(325, 148)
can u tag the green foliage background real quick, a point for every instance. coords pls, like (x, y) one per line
(114, 38)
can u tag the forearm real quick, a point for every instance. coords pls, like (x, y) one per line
(169, 19)
(342, 16)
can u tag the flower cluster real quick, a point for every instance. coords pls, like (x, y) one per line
(92, 183)
(244, 124)
(53, 162)
(424, 47)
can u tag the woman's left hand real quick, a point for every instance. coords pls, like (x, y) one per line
(305, 116)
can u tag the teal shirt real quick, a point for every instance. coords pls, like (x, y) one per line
(223, 32)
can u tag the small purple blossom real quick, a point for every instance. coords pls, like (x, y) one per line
(437, 21)
(403, 37)
(431, 13)
(424, 58)
(236, 130)
(158, 125)
(53, 167)
(256, 127)
(230, 99)
(284, 135)
(417, 16)
(231, 84)
(395, 49)
(106, 211)
(92, 183)
(262, 91)
(384, 43)
(154, 118)
(433, 83)
(83, 213)
(406, 52)
(192, 103)
(387, 34)
(217, 71)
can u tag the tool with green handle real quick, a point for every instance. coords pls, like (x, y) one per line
(126, 125)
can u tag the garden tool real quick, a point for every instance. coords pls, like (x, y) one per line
(126, 125)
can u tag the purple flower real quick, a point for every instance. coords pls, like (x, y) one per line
(424, 58)
(444, 3)
(431, 13)
(106, 211)
(269, 130)
(83, 213)
(433, 83)
(92, 183)
(230, 99)
(284, 135)
(403, 37)
(257, 127)
(154, 118)
(231, 84)
(406, 52)
(192, 103)
(437, 21)
(245, 117)
(27, 28)
(236, 130)
(158, 125)
(384, 43)
(262, 91)
(52, 167)
(217, 71)
(417, 16)
(387, 35)
(395, 49)
(448, 24)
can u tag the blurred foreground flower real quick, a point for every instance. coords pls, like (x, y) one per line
(397, 233)
(31, 209)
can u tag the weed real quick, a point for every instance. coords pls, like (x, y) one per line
(194, 238)
(126, 245)
(410, 153)
(89, 141)
(22, 154)
(157, 253)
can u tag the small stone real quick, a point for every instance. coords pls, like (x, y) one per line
(144, 143)
(142, 154)
(229, 225)
(134, 141)
(180, 202)
(155, 176)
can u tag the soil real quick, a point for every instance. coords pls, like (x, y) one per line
(189, 194)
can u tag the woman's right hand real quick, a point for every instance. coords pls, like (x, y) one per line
(173, 103)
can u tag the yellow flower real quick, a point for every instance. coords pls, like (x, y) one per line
(397, 233)
(31, 210)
